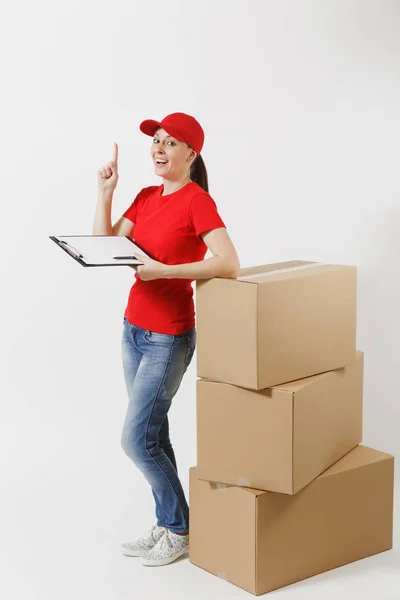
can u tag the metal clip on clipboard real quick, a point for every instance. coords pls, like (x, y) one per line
(73, 251)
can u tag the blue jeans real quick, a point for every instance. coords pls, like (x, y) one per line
(153, 365)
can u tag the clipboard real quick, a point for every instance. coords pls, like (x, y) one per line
(101, 250)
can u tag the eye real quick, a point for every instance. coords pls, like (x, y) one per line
(157, 140)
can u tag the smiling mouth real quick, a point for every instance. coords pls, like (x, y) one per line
(160, 164)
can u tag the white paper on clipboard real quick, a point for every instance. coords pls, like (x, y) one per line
(101, 249)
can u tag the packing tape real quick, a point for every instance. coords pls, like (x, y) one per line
(221, 574)
(300, 267)
(243, 481)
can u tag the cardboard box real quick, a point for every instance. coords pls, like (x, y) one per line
(281, 438)
(276, 323)
(261, 541)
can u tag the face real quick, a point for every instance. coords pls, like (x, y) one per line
(179, 156)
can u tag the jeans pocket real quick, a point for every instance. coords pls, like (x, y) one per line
(158, 339)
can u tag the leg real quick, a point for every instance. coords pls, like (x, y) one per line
(162, 366)
(131, 357)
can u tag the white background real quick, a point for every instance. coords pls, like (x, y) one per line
(300, 104)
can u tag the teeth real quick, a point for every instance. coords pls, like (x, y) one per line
(163, 162)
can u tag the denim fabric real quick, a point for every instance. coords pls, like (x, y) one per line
(153, 365)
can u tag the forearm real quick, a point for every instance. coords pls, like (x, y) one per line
(102, 220)
(216, 266)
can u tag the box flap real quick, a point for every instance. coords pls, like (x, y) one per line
(246, 273)
(221, 487)
(305, 269)
(295, 386)
(359, 456)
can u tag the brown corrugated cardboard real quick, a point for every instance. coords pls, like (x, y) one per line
(281, 438)
(276, 323)
(261, 541)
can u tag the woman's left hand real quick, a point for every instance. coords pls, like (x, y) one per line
(151, 269)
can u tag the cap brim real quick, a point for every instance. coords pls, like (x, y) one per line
(149, 127)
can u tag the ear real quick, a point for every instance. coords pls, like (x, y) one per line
(192, 156)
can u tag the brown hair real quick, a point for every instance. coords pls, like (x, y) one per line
(198, 172)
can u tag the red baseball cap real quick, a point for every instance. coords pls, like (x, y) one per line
(183, 127)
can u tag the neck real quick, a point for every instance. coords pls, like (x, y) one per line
(173, 186)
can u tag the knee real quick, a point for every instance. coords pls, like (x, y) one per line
(133, 446)
(139, 447)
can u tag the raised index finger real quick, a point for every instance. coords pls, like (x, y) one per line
(115, 152)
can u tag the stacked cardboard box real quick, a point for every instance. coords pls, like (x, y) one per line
(283, 489)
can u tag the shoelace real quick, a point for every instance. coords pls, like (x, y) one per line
(165, 542)
(149, 535)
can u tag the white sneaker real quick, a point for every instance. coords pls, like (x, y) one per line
(146, 542)
(168, 548)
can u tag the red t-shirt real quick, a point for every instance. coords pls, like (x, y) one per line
(168, 228)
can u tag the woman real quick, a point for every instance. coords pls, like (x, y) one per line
(176, 222)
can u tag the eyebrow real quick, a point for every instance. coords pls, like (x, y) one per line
(165, 136)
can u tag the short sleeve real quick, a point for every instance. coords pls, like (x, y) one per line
(204, 214)
(131, 212)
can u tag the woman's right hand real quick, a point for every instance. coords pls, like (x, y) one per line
(107, 176)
